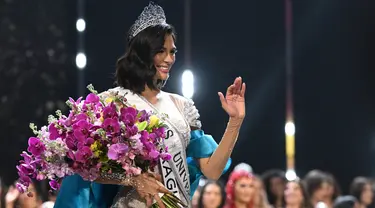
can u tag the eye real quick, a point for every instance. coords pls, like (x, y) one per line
(173, 51)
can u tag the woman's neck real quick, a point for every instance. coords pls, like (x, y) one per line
(238, 204)
(360, 205)
(150, 95)
(279, 202)
(292, 206)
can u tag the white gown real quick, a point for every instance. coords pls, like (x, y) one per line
(182, 113)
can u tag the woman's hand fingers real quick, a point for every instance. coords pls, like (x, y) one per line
(148, 200)
(223, 101)
(243, 90)
(158, 200)
(163, 190)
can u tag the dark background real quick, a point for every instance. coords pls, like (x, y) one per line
(334, 96)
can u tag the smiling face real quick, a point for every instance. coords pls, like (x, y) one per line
(165, 58)
(212, 196)
(244, 190)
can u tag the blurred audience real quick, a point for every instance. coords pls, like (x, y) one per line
(274, 184)
(212, 195)
(240, 190)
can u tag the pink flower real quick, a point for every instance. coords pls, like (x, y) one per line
(111, 125)
(91, 98)
(83, 154)
(53, 132)
(116, 151)
(36, 147)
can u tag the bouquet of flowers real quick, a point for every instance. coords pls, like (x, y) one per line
(100, 136)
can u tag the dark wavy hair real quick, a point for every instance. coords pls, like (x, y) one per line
(314, 180)
(266, 178)
(357, 187)
(203, 189)
(306, 200)
(136, 69)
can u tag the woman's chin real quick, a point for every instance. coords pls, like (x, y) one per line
(164, 76)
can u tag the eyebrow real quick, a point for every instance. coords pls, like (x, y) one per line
(174, 48)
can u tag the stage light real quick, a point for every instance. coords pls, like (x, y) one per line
(81, 60)
(81, 25)
(290, 129)
(290, 175)
(187, 84)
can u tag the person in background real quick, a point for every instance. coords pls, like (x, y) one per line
(333, 190)
(195, 198)
(14, 198)
(318, 187)
(346, 202)
(260, 197)
(212, 195)
(274, 182)
(240, 190)
(295, 195)
(361, 189)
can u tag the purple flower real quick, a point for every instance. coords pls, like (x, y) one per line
(166, 156)
(116, 151)
(21, 188)
(53, 132)
(24, 178)
(26, 158)
(91, 98)
(81, 116)
(81, 130)
(128, 115)
(25, 169)
(154, 154)
(68, 121)
(110, 111)
(36, 147)
(136, 142)
(71, 142)
(89, 173)
(75, 103)
(144, 116)
(54, 184)
(40, 177)
(153, 136)
(111, 125)
(160, 132)
(83, 154)
(131, 131)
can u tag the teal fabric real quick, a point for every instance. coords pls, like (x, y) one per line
(75, 192)
(201, 146)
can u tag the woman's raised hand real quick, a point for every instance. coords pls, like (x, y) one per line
(234, 100)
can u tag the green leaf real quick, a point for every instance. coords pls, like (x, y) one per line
(142, 126)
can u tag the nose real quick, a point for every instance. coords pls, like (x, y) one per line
(169, 58)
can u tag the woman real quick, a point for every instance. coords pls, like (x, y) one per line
(260, 197)
(361, 189)
(274, 183)
(212, 195)
(240, 190)
(140, 75)
(14, 198)
(318, 186)
(295, 195)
